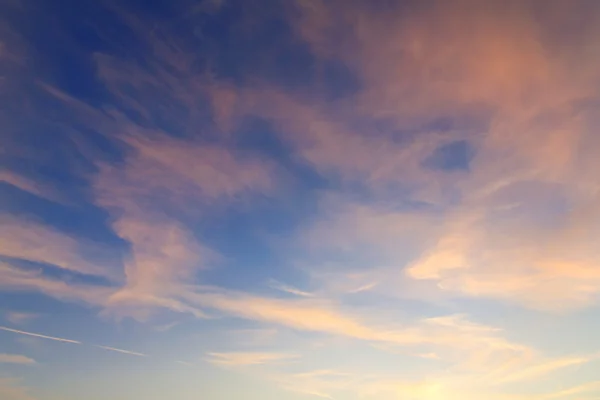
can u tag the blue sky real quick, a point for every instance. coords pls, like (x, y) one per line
(299, 200)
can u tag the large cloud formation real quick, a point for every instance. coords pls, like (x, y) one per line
(456, 160)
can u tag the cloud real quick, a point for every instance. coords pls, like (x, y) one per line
(506, 87)
(28, 185)
(296, 314)
(472, 258)
(165, 256)
(516, 222)
(586, 388)
(318, 383)
(132, 353)
(187, 173)
(411, 390)
(19, 318)
(39, 336)
(167, 183)
(10, 358)
(12, 389)
(16, 359)
(431, 356)
(168, 174)
(233, 359)
(29, 240)
(289, 289)
(439, 384)
(541, 369)
(470, 341)
(475, 360)
(462, 252)
(17, 279)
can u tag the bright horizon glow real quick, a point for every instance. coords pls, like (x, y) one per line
(304, 199)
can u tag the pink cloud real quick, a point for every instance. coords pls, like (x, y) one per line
(29, 240)
(490, 235)
(16, 359)
(30, 186)
(16, 279)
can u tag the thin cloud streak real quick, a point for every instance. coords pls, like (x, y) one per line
(289, 289)
(30, 186)
(542, 369)
(237, 359)
(132, 353)
(39, 336)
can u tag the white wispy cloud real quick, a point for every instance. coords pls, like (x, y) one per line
(16, 359)
(289, 289)
(131, 353)
(240, 359)
(39, 336)
(8, 357)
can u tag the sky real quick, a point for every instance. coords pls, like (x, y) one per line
(300, 199)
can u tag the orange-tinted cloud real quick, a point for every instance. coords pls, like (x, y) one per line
(520, 223)
(454, 332)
